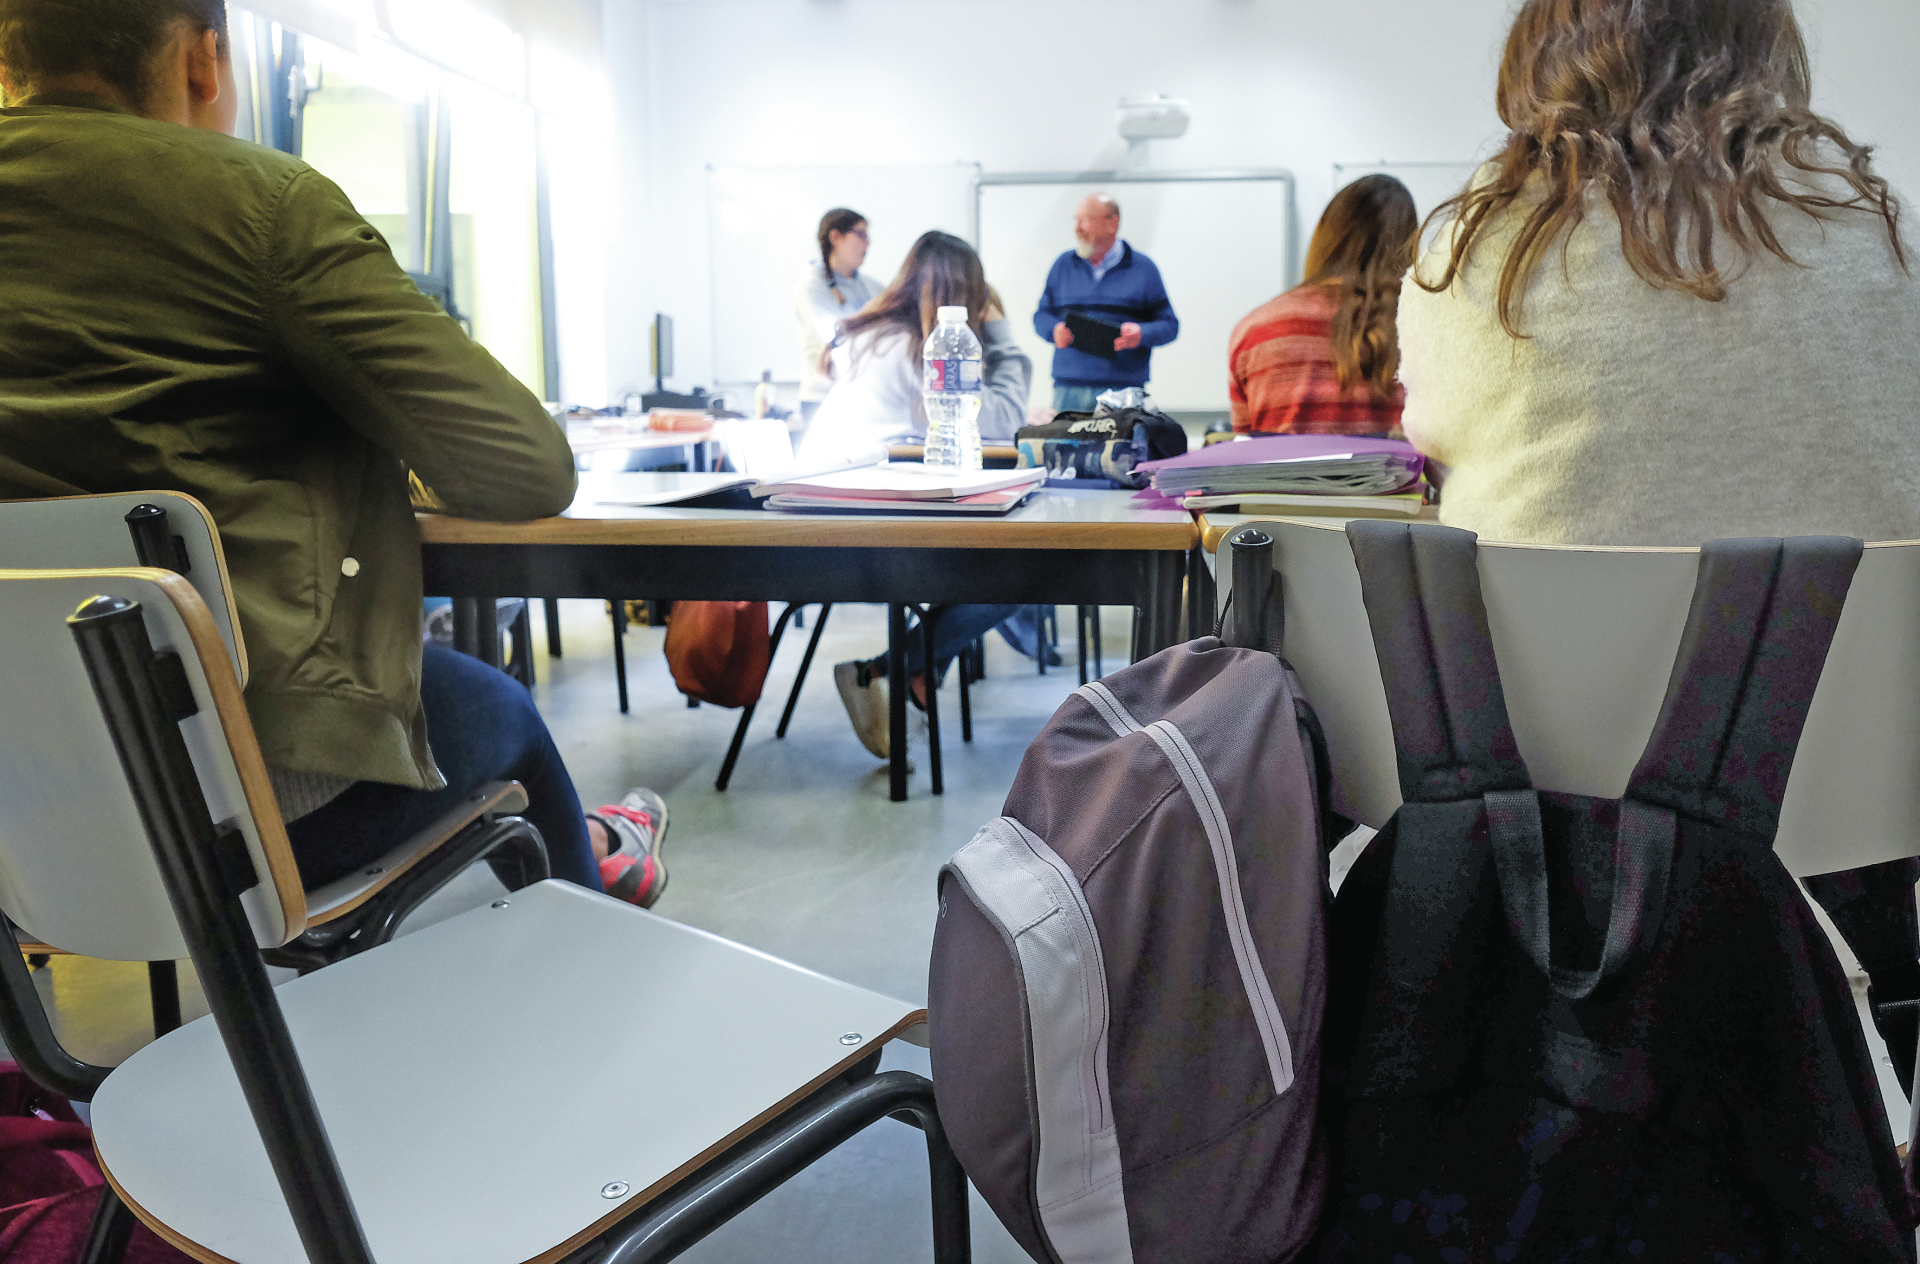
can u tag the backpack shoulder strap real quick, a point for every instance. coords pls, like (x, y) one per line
(1763, 617)
(1451, 735)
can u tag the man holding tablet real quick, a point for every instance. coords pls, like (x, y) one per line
(1104, 308)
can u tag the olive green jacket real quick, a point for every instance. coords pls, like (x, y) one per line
(183, 310)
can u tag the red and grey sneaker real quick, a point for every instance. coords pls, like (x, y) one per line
(636, 827)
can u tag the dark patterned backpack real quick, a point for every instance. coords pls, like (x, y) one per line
(1564, 1028)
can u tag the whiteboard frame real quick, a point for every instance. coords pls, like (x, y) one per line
(1280, 175)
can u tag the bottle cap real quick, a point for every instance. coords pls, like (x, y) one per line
(952, 315)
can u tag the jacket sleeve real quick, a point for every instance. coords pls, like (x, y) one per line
(1007, 374)
(1049, 313)
(1158, 325)
(397, 369)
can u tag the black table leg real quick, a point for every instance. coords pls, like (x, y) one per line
(553, 627)
(897, 687)
(928, 618)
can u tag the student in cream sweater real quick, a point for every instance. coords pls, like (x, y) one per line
(1588, 378)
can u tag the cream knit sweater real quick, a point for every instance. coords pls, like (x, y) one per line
(1641, 416)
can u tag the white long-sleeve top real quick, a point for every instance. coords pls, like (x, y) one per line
(819, 314)
(876, 393)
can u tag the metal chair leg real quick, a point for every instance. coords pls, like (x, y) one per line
(1040, 640)
(746, 712)
(520, 635)
(672, 1224)
(553, 626)
(1099, 652)
(110, 1231)
(620, 649)
(897, 703)
(928, 619)
(806, 661)
(163, 992)
(1080, 634)
(966, 694)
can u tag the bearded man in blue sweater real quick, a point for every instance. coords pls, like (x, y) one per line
(1104, 279)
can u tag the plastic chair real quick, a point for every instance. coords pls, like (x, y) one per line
(403, 1105)
(174, 532)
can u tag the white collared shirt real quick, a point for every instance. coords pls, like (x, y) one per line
(1108, 261)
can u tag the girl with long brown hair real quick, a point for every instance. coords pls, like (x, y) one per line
(876, 369)
(1676, 305)
(1322, 358)
(875, 361)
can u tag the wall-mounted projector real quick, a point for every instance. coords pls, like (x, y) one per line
(1155, 117)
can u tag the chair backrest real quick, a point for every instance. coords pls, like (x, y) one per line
(90, 532)
(1586, 639)
(76, 869)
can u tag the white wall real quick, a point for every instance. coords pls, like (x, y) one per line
(1023, 85)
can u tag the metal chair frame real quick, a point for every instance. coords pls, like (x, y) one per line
(204, 883)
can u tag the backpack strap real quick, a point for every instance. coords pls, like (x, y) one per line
(1763, 617)
(1451, 736)
(1454, 742)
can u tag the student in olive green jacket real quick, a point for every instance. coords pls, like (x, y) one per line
(183, 310)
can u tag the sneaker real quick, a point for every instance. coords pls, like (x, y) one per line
(637, 830)
(865, 697)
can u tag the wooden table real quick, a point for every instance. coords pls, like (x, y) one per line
(1061, 547)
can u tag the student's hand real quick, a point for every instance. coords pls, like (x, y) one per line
(992, 313)
(1062, 336)
(1129, 337)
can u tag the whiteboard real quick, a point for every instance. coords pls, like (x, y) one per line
(761, 226)
(1431, 183)
(1224, 243)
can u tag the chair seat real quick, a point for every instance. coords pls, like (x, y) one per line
(342, 896)
(654, 1046)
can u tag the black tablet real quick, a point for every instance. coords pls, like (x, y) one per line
(1095, 337)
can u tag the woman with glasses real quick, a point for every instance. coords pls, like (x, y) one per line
(831, 289)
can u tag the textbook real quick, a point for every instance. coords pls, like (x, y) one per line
(999, 501)
(900, 482)
(1398, 505)
(1338, 465)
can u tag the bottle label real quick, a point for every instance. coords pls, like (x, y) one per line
(952, 376)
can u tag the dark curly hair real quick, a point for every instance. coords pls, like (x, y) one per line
(114, 39)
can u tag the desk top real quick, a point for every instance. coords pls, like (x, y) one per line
(1051, 519)
(1215, 527)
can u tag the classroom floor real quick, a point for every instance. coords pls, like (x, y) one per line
(804, 857)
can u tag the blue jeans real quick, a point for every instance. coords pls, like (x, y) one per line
(1070, 397)
(957, 628)
(483, 727)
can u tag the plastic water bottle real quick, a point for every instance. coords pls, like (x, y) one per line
(951, 389)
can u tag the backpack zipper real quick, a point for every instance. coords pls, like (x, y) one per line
(1213, 818)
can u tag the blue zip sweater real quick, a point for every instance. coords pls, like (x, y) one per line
(1130, 291)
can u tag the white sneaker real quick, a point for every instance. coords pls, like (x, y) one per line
(865, 697)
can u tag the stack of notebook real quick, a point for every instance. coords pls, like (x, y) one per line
(1326, 474)
(904, 488)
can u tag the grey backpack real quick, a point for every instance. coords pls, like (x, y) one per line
(1128, 972)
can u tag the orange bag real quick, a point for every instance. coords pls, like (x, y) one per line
(718, 651)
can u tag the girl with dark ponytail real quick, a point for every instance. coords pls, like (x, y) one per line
(831, 289)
